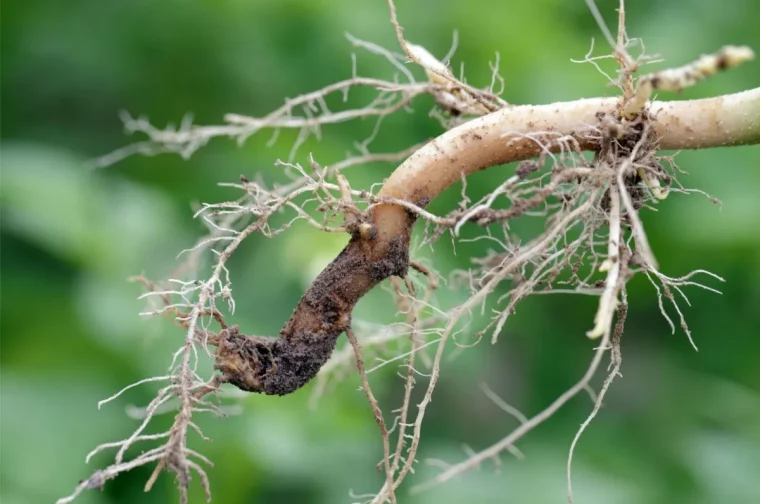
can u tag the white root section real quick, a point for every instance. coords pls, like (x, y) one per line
(608, 302)
(677, 79)
(516, 133)
(722, 121)
(453, 95)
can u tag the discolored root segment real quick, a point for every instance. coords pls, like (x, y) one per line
(280, 366)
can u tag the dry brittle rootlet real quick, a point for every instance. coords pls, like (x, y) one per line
(593, 242)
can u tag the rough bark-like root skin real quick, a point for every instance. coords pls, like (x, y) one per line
(273, 366)
(280, 366)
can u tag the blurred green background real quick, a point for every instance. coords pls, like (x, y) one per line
(680, 426)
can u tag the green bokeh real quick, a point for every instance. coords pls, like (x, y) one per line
(678, 427)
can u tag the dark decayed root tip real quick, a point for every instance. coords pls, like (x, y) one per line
(279, 366)
(273, 366)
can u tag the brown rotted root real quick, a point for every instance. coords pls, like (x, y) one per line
(279, 366)
(273, 366)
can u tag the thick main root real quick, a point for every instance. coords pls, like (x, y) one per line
(379, 247)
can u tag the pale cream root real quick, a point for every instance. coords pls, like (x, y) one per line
(677, 79)
(515, 133)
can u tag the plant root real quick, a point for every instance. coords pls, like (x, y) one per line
(280, 366)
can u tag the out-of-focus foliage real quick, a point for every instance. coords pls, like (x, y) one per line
(680, 426)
